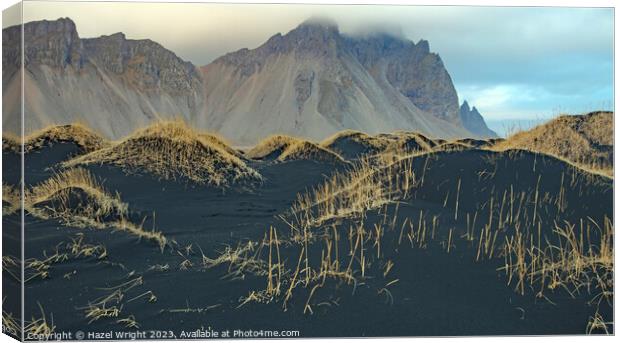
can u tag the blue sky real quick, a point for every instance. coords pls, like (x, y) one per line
(515, 64)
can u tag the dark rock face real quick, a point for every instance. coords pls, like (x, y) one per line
(303, 87)
(411, 68)
(112, 84)
(53, 43)
(146, 64)
(473, 122)
(416, 72)
(310, 39)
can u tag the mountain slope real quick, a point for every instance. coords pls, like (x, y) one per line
(314, 81)
(111, 84)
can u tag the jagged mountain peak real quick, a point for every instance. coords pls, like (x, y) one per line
(320, 37)
(474, 122)
(60, 24)
(119, 36)
(145, 63)
(52, 42)
(49, 29)
(319, 81)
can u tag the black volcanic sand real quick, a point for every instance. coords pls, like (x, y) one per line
(437, 293)
(11, 238)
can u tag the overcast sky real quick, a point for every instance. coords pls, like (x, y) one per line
(512, 63)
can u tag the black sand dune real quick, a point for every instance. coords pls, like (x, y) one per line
(423, 256)
(354, 144)
(282, 148)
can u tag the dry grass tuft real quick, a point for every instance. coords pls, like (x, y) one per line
(370, 184)
(10, 324)
(11, 200)
(585, 140)
(287, 148)
(172, 150)
(12, 265)
(408, 142)
(39, 327)
(581, 257)
(480, 143)
(35, 268)
(271, 147)
(111, 304)
(76, 198)
(354, 144)
(57, 197)
(453, 146)
(309, 151)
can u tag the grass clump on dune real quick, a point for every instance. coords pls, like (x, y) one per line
(353, 144)
(309, 151)
(453, 146)
(480, 143)
(85, 138)
(36, 328)
(40, 268)
(368, 185)
(271, 147)
(220, 142)
(171, 150)
(287, 148)
(409, 142)
(75, 192)
(11, 200)
(585, 140)
(77, 199)
(580, 258)
(10, 324)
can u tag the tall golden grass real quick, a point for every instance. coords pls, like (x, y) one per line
(584, 140)
(172, 150)
(11, 200)
(379, 144)
(96, 208)
(84, 137)
(286, 148)
(369, 184)
(578, 258)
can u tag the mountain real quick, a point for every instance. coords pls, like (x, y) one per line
(110, 83)
(472, 120)
(311, 82)
(315, 81)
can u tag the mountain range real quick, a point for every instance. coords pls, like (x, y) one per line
(310, 82)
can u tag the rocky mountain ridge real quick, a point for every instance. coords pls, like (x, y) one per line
(310, 82)
(314, 81)
(112, 84)
(473, 121)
